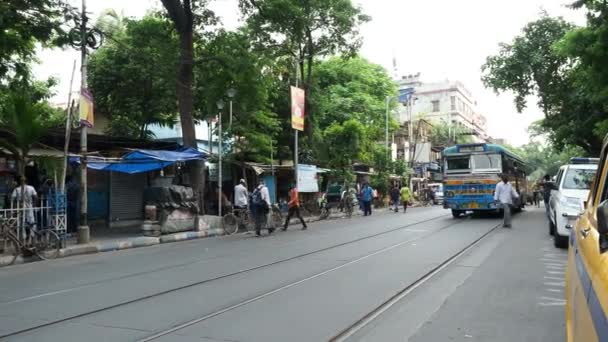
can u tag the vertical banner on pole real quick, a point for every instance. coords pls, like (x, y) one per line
(86, 108)
(297, 108)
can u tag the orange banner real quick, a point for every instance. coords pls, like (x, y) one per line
(86, 108)
(297, 108)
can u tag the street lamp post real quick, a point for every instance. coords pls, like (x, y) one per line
(388, 99)
(220, 106)
(231, 93)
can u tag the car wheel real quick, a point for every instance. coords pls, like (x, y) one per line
(456, 213)
(560, 241)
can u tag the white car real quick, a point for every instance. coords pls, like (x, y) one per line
(568, 194)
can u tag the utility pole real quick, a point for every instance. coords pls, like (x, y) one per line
(388, 99)
(220, 106)
(83, 229)
(295, 150)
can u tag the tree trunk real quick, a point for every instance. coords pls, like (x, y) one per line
(180, 13)
(186, 108)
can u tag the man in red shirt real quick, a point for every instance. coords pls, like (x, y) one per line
(294, 208)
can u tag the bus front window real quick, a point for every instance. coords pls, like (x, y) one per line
(458, 164)
(487, 162)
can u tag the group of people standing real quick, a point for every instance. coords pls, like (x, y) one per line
(402, 195)
(258, 201)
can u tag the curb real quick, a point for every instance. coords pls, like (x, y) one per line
(141, 241)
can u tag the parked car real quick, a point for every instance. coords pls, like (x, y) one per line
(587, 274)
(568, 194)
(438, 191)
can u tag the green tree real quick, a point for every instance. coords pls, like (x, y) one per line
(533, 65)
(25, 117)
(446, 135)
(132, 77)
(342, 146)
(304, 31)
(233, 64)
(353, 89)
(541, 160)
(23, 24)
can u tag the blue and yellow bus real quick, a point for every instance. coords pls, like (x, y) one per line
(470, 175)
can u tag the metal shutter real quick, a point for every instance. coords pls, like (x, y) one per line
(127, 196)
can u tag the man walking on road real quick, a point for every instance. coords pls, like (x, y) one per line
(367, 195)
(405, 196)
(294, 208)
(260, 203)
(504, 195)
(395, 194)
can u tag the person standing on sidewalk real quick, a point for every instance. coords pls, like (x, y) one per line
(395, 194)
(241, 198)
(260, 202)
(294, 208)
(367, 195)
(504, 195)
(405, 196)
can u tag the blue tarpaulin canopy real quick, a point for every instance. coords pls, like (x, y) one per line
(139, 161)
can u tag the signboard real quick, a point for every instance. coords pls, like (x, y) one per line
(213, 172)
(307, 178)
(405, 95)
(86, 108)
(297, 108)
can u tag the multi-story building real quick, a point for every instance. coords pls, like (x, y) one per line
(446, 101)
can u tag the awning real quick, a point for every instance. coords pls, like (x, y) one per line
(139, 161)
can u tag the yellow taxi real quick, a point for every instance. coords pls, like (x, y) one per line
(587, 271)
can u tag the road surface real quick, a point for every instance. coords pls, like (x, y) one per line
(420, 276)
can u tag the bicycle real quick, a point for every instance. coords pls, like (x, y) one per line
(231, 222)
(44, 243)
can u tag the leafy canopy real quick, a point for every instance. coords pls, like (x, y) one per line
(132, 77)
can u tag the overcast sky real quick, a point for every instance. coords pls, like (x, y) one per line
(441, 39)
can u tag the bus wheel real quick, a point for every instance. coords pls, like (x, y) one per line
(456, 213)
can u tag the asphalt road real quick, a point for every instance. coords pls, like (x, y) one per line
(302, 285)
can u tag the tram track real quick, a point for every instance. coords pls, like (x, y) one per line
(344, 334)
(232, 274)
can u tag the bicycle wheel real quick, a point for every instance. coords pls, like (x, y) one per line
(12, 248)
(230, 223)
(324, 213)
(47, 244)
(248, 222)
(277, 218)
(349, 211)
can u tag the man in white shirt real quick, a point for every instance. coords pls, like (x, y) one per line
(504, 195)
(241, 195)
(24, 197)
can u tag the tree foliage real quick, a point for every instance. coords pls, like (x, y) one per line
(541, 160)
(23, 23)
(25, 117)
(353, 89)
(304, 31)
(541, 61)
(445, 135)
(132, 77)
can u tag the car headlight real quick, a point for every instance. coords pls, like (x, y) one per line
(571, 202)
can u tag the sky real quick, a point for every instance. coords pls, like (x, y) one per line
(441, 39)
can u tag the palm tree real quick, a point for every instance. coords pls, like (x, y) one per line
(23, 123)
(111, 22)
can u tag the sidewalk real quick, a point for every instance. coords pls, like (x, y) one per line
(106, 240)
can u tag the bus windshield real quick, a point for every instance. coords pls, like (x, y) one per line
(487, 161)
(456, 164)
